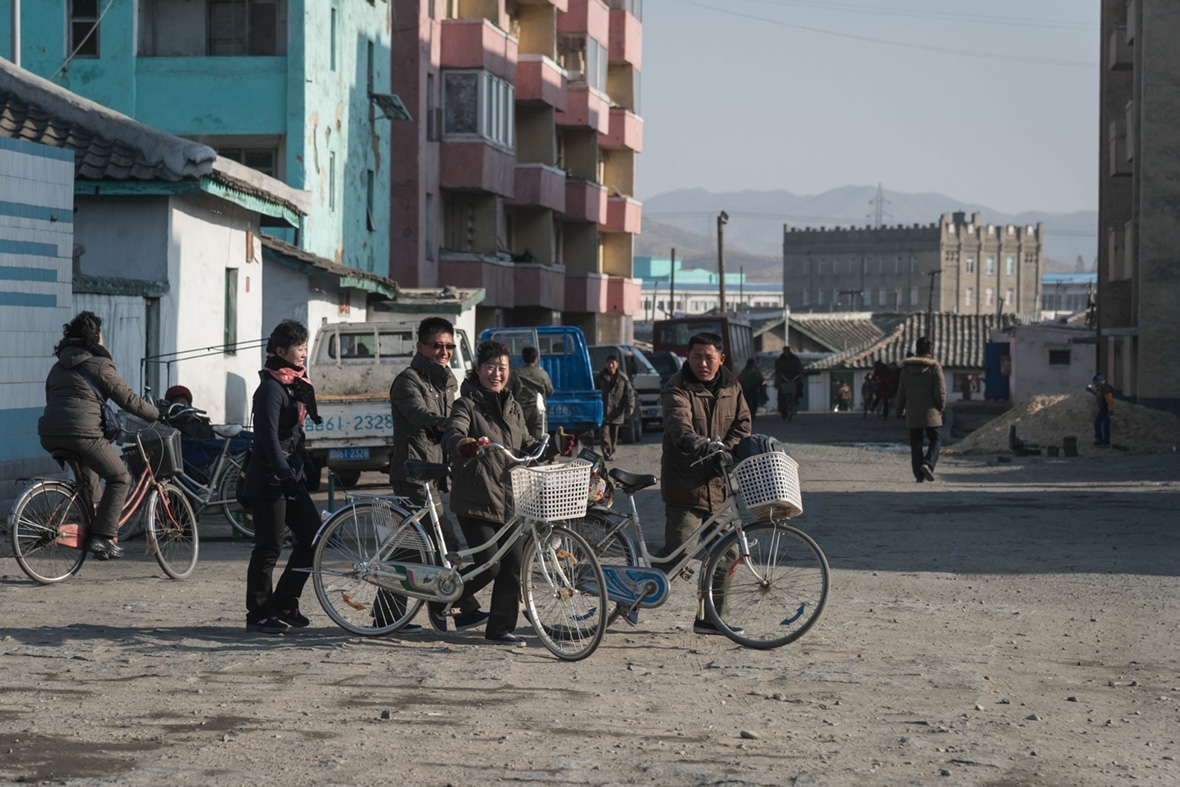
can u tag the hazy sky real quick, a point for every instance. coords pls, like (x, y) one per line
(733, 102)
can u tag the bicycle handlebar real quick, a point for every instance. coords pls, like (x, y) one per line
(485, 444)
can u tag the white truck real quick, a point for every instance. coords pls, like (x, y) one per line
(352, 366)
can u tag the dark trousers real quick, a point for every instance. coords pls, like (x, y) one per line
(1102, 428)
(417, 494)
(917, 458)
(505, 575)
(99, 460)
(679, 525)
(609, 436)
(270, 518)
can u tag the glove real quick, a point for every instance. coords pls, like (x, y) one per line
(290, 487)
(468, 448)
(565, 442)
(695, 444)
(438, 424)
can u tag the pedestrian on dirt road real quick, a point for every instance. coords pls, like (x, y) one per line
(618, 403)
(1104, 394)
(885, 387)
(752, 380)
(969, 387)
(420, 401)
(701, 401)
(76, 390)
(526, 383)
(788, 371)
(275, 483)
(922, 398)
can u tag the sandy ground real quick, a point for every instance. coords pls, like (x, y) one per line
(1012, 623)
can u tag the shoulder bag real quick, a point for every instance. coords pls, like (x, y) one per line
(112, 425)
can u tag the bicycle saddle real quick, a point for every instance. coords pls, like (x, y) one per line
(631, 483)
(63, 457)
(419, 472)
(227, 430)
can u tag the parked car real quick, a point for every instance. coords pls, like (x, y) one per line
(666, 363)
(646, 380)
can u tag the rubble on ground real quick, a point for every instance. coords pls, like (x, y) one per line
(1047, 420)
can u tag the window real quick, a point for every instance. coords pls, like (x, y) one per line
(897, 298)
(243, 27)
(881, 295)
(914, 296)
(819, 298)
(370, 222)
(989, 297)
(584, 59)
(806, 267)
(881, 266)
(819, 267)
(1010, 297)
(913, 264)
(231, 311)
(478, 103)
(432, 121)
(806, 297)
(1010, 264)
(969, 296)
(991, 266)
(429, 226)
(897, 266)
(430, 9)
(1059, 357)
(332, 42)
(865, 268)
(331, 181)
(633, 7)
(84, 28)
(265, 160)
(970, 263)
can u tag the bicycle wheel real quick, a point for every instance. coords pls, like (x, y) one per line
(776, 595)
(349, 546)
(36, 523)
(172, 526)
(612, 547)
(240, 519)
(564, 593)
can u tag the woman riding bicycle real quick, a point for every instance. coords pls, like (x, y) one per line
(481, 496)
(83, 378)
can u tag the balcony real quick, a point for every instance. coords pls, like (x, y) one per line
(1119, 54)
(211, 107)
(589, 17)
(466, 270)
(626, 38)
(477, 43)
(587, 293)
(584, 201)
(539, 185)
(1117, 140)
(585, 107)
(476, 165)
(623, 214)
(540, 79)
(624, 296)
(539, 285)
(626, 131)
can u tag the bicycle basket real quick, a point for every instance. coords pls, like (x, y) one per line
(768, 485)
(551, 493)
(161, 444)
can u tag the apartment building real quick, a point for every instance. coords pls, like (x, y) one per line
(518, 172)
(297, 89)
(1139, 201)
(958, 265)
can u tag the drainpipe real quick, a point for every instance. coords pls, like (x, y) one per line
(16, 33)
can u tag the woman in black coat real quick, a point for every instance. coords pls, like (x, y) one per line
(275, 483)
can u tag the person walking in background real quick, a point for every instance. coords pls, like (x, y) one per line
(788, 376)
(752, 380)
(1104, 394)
(969, 387)
(885, 387)
(525, 384)
(275, 484)
(618, 403)
(868, 394)
(922, 398)
(77, 387)
(843, 396)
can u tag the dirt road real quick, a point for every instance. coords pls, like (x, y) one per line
(1009, 624)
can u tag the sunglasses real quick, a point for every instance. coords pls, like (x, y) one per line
(441, 346)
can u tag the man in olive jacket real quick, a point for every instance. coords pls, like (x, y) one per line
(525, 383)
(701, 401)
(922, 397)
(618, 403)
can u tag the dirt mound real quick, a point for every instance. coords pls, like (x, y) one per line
(1048, 420)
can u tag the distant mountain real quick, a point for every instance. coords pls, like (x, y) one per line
(756, 220)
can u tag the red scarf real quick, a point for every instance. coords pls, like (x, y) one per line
(287, 375)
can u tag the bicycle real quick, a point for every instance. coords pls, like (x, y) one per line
(376, 563)
(787, 402)
(51, 521)
(763, 584)
(218, 486)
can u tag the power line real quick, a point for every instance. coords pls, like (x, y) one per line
(899, 44)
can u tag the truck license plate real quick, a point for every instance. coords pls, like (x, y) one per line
(345, 454)
(651, 412)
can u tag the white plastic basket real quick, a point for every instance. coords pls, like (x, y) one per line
(551, 493)
(769, 485)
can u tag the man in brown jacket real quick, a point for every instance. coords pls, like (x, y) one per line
(922, 397)
(701, 401)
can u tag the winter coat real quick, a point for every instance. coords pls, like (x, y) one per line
(525, 383)
(71, 407)
(481, 487)
(618, 396)
(278, 451)
(420, 398)
(884, 382)
(691, 408)
(922, 393)
(787, 367)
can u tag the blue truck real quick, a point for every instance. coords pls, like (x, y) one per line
(576, 405)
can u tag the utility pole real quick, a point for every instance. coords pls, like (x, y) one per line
(742, 286)
(672, 285)
(721, 221)
(16, 33)
(655, 295)
(879, 202)
(930, 301)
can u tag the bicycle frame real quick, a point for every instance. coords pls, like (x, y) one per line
(145, 485)
(190, 485)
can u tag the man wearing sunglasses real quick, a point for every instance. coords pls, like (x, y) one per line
(421, 399)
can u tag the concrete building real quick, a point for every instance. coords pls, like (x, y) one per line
(1066, 294)
(959, 265)
(517, 175)
(1139, 201)
(1054, 358)
(296, 89)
